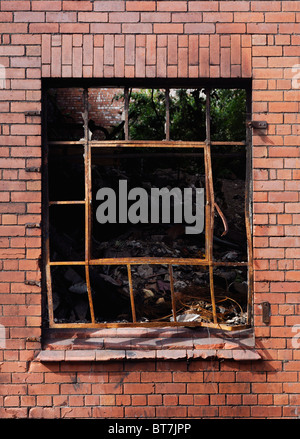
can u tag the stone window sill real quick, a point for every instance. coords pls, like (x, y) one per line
(147, 344)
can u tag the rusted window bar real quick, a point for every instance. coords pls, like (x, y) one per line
(149, 143)
(54, 203)
(207, 261)
(131, 292)
(210, 192)
(151, 261)
(87, 175)
(167, 94)
(145, 143)
(126, 110)
(46, 227)
(248, 204)
(172, 293)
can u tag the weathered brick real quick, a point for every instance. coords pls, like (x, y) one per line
(77, 5)
(109, 5)
(171, 6)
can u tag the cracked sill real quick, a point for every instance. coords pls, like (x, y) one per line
(147, 344)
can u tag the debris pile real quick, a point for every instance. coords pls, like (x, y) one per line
(152, 294)
(191, 294)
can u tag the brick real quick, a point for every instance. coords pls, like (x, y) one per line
(251, 17)
(138, 388)
(77, 41)
(141, 5)
(41, 28)
(157, 17)
(112, 5)
(30, 61)
(280, 17)
(90, 17)
(204, 62)
(26, 84)
(230, 28)
(29, 17)
(141, 41)
(214, 49)
(171, 6)
(119, 62)
(50, 389)
(289, 28)
(73, 28)
(108, 412)
(193, 51)
(199, 28)
(170, 28)
(183, 41)
(187, 17)
(61, 17)
(167, 412)
(265, 6)
(108, 49)
(153, 377)
(203, 6)
(73, 412)
(98, 61)
(225, 62)
(15, 5)
(183, 62)
(105, 28)
(184, 377)
(268, 28)
(268, 185)
(55, 61)
(236, 49)
(52, 5)
(77, 62)
(270, 253)
(151, 49)
(77, 5)
(217, 17)
(129, 49)
(285, 107)
(140, 62)
(268, 163)
(268, 231)
(46, 49)
(66, 49)
(202, 388)
(11, 50)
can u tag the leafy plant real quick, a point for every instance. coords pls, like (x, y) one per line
(187, 115)
(147, 114)
(147, 110)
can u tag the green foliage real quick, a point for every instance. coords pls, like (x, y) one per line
(228, 114)
(187, 115)
(147, 110)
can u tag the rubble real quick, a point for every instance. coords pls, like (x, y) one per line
(152, 295)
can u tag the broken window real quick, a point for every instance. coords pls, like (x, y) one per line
(146, 207)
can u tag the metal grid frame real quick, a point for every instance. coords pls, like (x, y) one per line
(88, 146)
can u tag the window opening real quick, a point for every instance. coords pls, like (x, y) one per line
(106, 148)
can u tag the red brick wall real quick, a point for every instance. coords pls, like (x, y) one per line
(152, 39)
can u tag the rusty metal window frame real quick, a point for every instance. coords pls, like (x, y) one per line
(206, 146)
